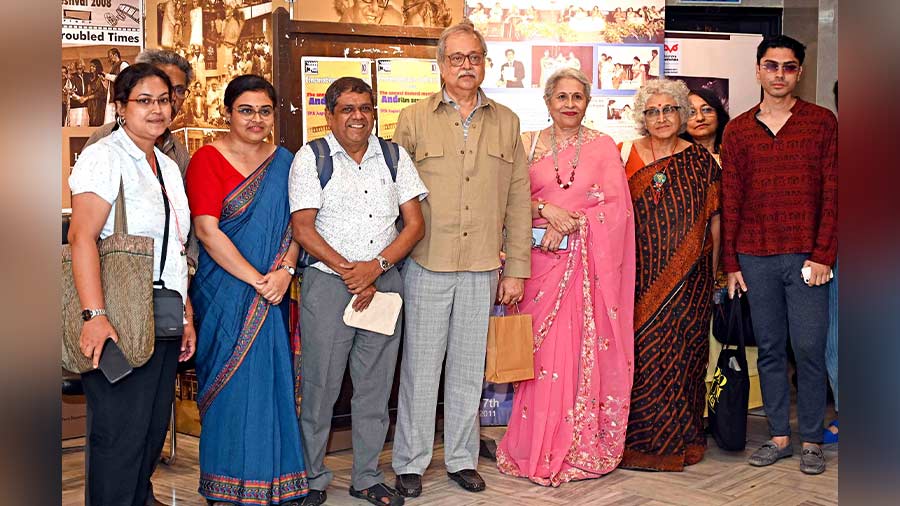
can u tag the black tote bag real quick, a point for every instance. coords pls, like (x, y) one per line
(730, 391)
(720, 319)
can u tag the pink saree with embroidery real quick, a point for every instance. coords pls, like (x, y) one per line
(569, 422)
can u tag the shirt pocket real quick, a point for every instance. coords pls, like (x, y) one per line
(500, 159)
(384, 199)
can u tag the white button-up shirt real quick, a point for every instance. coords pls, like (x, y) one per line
(98, 170)
(360, 204)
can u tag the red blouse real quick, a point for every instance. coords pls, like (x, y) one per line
(209, 179)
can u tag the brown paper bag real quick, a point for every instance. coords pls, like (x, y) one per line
(509, 349)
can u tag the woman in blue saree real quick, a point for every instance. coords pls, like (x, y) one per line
(250, 445)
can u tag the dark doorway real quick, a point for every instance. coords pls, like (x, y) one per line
(761, 20)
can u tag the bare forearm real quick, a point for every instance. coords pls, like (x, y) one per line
(403, 244)
(310, 240)
(86, 271)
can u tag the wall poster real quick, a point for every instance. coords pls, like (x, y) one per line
(318, 74)
(402, 82)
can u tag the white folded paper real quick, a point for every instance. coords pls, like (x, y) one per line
(380, 316)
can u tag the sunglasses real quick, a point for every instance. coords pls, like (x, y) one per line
(788, 68)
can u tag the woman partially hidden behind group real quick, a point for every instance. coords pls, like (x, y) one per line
(250, 446)
(568, 423)
(675, 189)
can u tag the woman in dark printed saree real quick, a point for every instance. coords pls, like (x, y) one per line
(250, 445)
(675, 188)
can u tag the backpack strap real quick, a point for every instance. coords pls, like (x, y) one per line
(324, 164)
(391, 152)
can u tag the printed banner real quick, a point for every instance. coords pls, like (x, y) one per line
(402, 82)
(496, 404)
(103, 22)
(673, 57)
(318, 74)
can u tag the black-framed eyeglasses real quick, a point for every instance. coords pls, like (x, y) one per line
(248, 112)
(149, 102)
(772, 67)
(706, 110)
(457, 59)
(666, 110)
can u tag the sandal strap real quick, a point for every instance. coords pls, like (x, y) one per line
(380, 491)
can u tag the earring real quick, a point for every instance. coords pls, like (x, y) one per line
(120, 121)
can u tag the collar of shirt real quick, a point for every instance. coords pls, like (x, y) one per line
(373, 150)
(447, 99)
(130, 147)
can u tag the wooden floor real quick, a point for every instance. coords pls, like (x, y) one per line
(721, 478)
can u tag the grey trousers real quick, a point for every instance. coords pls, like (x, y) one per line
(781, 304)
(446, 315)
(327, 344)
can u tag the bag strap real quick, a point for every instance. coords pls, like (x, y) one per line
(626, 151)
(120, 223)
(534, 141)
(165, 241)
(391, 152)
(736, 323)
(324, 164)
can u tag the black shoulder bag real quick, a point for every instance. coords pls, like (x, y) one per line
(168, 306)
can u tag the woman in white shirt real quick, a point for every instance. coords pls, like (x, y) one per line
(129, 419)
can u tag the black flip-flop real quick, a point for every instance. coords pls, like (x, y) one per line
(376, 493)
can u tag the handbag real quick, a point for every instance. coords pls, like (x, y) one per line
(730, 390)
(722, 309)
(168, 306)
(126, 275)
(510, 343)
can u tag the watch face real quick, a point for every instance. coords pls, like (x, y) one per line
(86, 315)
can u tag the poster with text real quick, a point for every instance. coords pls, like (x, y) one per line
(103, 22)
(402, 82)
(318, 74)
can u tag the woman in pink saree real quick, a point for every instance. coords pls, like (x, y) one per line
(568, 423)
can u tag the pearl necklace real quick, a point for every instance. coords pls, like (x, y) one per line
(573, 163)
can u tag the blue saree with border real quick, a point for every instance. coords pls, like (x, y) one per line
(250, 447)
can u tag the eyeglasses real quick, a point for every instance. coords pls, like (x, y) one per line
(457, 59)
(248, 112)
(668, 110)
(705, 110)
(149, 102)
(788, 68)
(181, 91)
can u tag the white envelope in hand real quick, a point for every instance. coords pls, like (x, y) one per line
(380, 316)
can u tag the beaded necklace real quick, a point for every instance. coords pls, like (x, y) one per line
(573, 163)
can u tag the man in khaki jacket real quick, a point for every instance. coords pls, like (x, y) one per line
(468, 153)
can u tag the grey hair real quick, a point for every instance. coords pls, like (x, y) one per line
(157, 57)
(675, 88)
(566, 73)
(464, 26)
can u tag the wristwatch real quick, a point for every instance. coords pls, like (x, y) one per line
(540, 208)
(383, 262)
(89, 314)
(292, 271)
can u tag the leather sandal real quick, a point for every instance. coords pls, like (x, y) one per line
(377, 493)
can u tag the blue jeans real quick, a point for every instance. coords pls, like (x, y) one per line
(781, 304)
(831, 346)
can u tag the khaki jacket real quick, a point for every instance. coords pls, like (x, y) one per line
(477, 187)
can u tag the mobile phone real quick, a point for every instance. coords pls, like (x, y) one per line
(806, 272)
(537, 236)
(113, 362)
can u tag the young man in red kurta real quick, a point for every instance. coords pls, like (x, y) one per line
(779, 215)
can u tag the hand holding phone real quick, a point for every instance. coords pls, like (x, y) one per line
(113, 362)
(806, 272)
